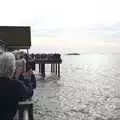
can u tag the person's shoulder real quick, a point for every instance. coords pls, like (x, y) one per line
(12, 83)
(20, 86)
(17, 83)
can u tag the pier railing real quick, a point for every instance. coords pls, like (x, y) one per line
(25, 110)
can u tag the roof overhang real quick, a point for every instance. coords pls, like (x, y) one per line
(16, 37)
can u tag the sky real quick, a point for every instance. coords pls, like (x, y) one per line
(66, 25)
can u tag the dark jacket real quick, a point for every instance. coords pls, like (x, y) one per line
(32, 81)
(11, 92)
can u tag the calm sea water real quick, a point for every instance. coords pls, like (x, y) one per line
(89, 89)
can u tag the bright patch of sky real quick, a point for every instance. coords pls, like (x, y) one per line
(67, 25)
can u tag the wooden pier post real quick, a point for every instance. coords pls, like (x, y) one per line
(51, 67)
(39, 67)
(43, 69)
(58, 70)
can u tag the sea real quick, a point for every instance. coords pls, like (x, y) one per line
(88, 89)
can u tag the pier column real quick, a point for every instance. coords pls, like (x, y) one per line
(51, 67)
(58, 70)
(39, 67)
(43, 69)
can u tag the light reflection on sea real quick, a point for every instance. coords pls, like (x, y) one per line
(89, 89)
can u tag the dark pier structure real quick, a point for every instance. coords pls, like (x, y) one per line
(42, 59)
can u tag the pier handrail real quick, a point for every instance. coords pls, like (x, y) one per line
(25, 110)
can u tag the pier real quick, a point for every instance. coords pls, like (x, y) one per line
(42, 59)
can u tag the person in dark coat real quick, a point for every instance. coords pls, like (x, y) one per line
(28, 78)
(11, 91)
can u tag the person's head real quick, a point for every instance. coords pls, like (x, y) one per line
(16, 54)
(7, 64)
(22, 54)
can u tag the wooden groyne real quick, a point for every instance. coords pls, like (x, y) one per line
(42, 59)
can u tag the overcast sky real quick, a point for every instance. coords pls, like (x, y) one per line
(66, 25)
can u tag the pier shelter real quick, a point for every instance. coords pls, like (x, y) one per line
(16, 37)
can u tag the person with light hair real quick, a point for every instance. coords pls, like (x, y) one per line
(20, 64)
(7, 65)
(11, 91)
